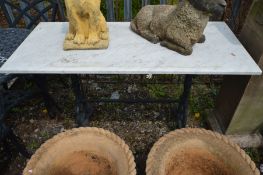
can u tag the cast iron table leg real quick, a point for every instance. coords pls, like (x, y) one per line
(51, 105)
(181, 113)
(6, 133)
(236, 4)
(2, 105)
(14, 140)
(83, 109)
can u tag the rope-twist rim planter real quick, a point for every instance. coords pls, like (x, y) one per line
(88, 130)
(151, 156)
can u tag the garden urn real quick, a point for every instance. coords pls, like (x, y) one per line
(82, 151)
(200, 152)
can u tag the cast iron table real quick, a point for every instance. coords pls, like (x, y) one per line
(10, 39)
(42, 53)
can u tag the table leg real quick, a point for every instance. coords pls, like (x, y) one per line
(181, 113)
(16, 141)
(83, 109)
(236, 4)
(51, 105)
(7, 134)
(8, 137)
(2, 105)
(5, 86)
(7, 153)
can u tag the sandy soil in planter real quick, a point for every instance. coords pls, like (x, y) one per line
(82, 151)
(196, 161)
(82, 162)
(198, 151)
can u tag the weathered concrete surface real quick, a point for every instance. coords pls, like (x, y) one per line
(229, 97)
(239, 109)
(248, 117)
(247, 141)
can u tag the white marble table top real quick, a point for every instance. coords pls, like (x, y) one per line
(42, 52)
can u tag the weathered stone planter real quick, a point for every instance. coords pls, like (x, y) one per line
(200, 152)
(82, 151)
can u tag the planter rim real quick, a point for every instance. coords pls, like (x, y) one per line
(87, 130)
(150, 164)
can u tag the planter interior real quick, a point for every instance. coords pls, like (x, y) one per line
(199, 152)
(84, 151)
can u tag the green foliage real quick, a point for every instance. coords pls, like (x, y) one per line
(45, 135)
(16, 110)
(173, 1)
(119, 7)
(28, 85)
(156, 90)
(254, 154)
(164, 90)
(203, 98)
(68, 120)
(136, 6)
(33, 145)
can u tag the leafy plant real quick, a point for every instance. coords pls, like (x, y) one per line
(156, 90)
(33, 145)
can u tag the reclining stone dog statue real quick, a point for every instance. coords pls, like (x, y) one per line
(176, 27)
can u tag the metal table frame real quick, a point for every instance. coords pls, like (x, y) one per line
(84, 110)
(11, 38)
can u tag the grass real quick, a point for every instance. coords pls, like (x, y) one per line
(45, 135)
(33, 145)
(157, 91)
(254, 154)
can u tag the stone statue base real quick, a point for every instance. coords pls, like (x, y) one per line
(87, 26)
(70, 45)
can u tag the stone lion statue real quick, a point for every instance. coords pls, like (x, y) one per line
(177, 27)
(87, 25)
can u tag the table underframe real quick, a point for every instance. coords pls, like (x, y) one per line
(84, 109)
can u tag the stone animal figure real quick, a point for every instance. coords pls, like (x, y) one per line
(87, 25)
(177, 27)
